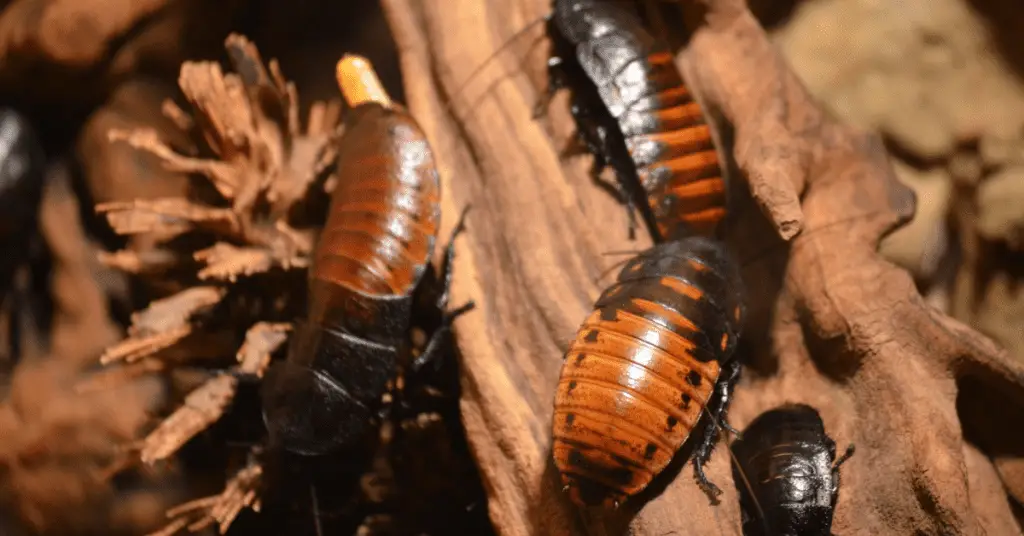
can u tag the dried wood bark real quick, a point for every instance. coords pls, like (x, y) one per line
(832, 323)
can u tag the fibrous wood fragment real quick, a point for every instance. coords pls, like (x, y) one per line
(231, 231)
(201, 408)
(162, 324)
(222, 509)
(831, 323)
(261, 341)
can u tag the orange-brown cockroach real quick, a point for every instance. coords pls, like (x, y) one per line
(634, 112)
(370, 260)
(652, 366)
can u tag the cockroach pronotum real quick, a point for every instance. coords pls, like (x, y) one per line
(654, 357)
(790, 463)
(369, 261)
(634, 112)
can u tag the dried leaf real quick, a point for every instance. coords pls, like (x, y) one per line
(202, 407)
(262, 340)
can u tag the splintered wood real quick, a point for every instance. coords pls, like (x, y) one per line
(241, 492)
(207, 243)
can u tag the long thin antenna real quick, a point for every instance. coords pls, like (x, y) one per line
(736, 462)
(479, 68)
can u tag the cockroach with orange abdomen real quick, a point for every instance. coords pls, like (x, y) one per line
(367, 271)
(791, 465)
(634, 112)
(651, 368)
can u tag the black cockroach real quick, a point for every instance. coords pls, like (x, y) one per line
(634, 112)
(790, 464)
(371, 257)
(21, 176)
(651, 367)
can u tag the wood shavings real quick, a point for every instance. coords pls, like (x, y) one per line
(231, 228)
(166, 216)
(202, 407)
(261, 341)
(162, 324)
(241, 492)
(150, 261)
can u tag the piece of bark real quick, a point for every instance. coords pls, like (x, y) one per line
(832, 324)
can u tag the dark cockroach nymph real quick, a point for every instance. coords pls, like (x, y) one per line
(366, 272)
(790, 464)
(21, 181)
(634, 112)
(651, 367)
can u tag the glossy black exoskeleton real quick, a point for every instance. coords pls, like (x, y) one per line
(790, 464)
(21, 179)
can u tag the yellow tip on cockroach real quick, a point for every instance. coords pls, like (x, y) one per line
(359, 83)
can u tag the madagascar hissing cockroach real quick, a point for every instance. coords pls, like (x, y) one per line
(651, 367)
(790, 464)
(370, 259)
(634, 112)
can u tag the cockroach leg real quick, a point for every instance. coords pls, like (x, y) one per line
(445, 277)
(434, 345)
(718, 408)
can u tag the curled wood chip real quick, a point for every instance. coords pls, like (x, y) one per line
(241, 491)
(202, 407)
(262, 340)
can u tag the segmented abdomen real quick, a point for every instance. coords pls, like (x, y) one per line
(670, 142)
(642, 367)
(385, 209)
